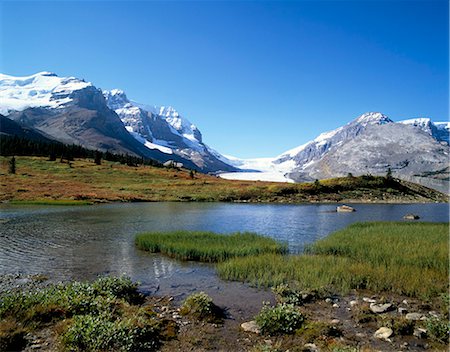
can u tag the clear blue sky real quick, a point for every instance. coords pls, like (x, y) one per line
(256, 77)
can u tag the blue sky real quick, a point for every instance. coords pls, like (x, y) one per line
(257, 77)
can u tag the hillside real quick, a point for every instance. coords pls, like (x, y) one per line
(38, 179)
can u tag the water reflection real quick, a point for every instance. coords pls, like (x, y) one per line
(83, 242)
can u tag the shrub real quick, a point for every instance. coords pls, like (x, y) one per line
(200, 306)
(103, 333)
(281, 319)
(438, 329)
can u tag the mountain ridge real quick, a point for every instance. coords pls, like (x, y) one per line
(72, 110)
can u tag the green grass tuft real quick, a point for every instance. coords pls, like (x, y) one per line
(208, 246)
(403, 258)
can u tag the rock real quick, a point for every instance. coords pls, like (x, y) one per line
(251, 326)
(434, 314)
(420, 333)
(411, 217)
(336, 305)
(383, 333)
(335, 321)
(310, 347)
(380, 308)
(369, 300)
(404, 345)
(403, 311)
(414, 316)
(345, 209)
(405, 302)
(353, 303)
(328, 300)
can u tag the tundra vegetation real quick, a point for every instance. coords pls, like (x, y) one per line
(38, 179)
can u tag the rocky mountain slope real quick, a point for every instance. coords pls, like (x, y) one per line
(71, 110)
(415, 150)
(162, 128)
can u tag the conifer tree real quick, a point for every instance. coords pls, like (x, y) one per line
(12, 165)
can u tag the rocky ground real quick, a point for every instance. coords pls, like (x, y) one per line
(360, 321)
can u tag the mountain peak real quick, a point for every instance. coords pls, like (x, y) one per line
(373, 118)
(46, 74)
(116, 98)
(42, 89)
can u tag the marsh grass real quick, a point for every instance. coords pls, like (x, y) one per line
(402, 258)
(208, 246)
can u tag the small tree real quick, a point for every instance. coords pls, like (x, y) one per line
(52, 156)
(191, 174)
(98, 157)
(12, 165)
(389, 174)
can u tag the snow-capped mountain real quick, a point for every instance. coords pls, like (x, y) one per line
(43, 89)
(439, 130)
(71, 110)
(164, 129)
(372, 143)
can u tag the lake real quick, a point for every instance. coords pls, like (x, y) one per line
(82, 242)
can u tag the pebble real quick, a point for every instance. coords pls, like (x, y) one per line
(336, 305)
(251, 326)
(383, 333)
(420, 333)
(414, 316)
(404, 345)
(335, 321)
(310, 347)
(434, 314)
(369, 300)
(328, 300)
(380, 308)
(353, 303)
(403, 311)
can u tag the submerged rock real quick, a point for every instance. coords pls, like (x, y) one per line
(345, 209)
(411, 217)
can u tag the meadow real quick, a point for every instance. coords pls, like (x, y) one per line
(82, 181)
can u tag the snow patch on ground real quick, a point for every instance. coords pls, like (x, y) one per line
(263, 169)
(147, 143)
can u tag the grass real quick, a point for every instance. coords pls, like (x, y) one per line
(38, 179)
(51, 202)
(207, 246)
(403, 258)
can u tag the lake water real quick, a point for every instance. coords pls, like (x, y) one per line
(84, 242)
